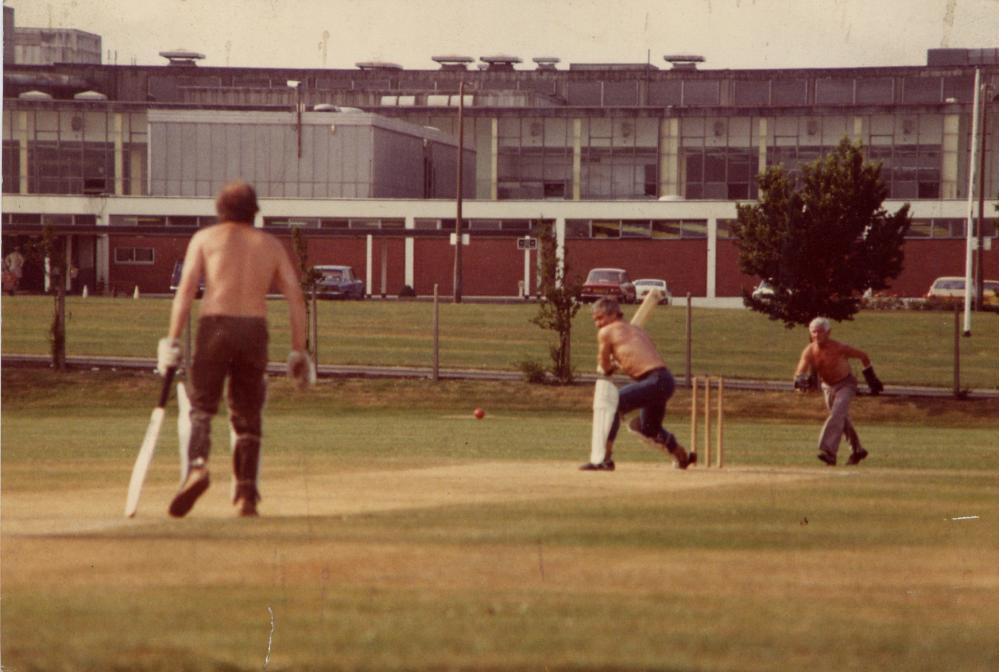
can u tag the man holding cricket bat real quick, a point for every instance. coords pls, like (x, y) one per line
(239, 264)
(627, 348)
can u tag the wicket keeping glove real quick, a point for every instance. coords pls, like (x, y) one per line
(167, 355)
(873, 382)
(802, 382)
(301, 369)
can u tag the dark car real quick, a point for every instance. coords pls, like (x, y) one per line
(613, 282)
(338, 282)
(178, 270)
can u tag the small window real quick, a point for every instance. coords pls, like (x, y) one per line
(607, 229)
(134, 255)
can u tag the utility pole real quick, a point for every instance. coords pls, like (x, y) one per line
(980, 257)
(457, 221)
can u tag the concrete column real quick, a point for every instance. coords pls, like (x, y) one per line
(712, 260)
(669, 157)
(762, 140)
(119, 159)
(577, 159)
(103, 254)
(21, 131)
(494, 158)
(949, 155)
(410, 254)
(559, 247)
(368, 260)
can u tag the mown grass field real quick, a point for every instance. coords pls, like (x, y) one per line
(908, 348)
(398, 533)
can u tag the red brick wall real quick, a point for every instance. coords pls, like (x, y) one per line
(154, 278)
(682, 263)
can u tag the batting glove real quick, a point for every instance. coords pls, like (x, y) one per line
(167, 355)
(301, 369)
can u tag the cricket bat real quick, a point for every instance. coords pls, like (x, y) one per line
(605, 393)
(148, 446)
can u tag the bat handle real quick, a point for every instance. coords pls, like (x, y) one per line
(165, 391)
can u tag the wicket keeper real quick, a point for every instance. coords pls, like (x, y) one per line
(627, 348)
(830, 360)
(239, 264)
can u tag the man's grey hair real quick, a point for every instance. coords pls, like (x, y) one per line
(820, 324)
(607, 306)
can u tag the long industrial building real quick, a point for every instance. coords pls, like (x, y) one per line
(638, 166)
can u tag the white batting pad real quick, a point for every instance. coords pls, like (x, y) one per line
(183, 428)
(604, 408)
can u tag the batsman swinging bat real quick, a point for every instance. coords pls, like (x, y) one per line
(148, 446)
(605, 393)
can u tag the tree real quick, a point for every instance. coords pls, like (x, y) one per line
(559, 302)
(308, 278)
(823, 242)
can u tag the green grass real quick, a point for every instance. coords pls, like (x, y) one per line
(774, 563)
(908, 347)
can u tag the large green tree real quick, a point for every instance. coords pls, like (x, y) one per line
(822, 240)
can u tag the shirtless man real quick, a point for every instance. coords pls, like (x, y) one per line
(239, 264)
(627, 348)
(830, 361)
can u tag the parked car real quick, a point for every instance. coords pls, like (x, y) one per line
(338, 282)
(949, 289)
(178, 270)
(614, 282)
(764, 290)
(645, 285)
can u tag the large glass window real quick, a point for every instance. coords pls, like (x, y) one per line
(534, 159)
(620, 158)
(718, 159)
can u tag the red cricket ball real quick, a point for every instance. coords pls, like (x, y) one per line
(479, 414)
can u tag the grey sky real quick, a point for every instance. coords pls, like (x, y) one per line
(339, 33)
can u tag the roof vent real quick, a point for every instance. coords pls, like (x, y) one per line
(327, 107)
(89, 95)
(683, 61)
(546, 62)
(500, 62)
(35, 95)
(182, 57)
(453, 62)
(378, 65)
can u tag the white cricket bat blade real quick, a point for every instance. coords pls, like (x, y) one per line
(143, 460)
(650, 301)
(604, 408)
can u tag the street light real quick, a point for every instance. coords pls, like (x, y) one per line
(980, 257)
(297, 85)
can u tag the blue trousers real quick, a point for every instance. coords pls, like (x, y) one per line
(650, 394)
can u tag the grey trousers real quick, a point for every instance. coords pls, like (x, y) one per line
(838, 424)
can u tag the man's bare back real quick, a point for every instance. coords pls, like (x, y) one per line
(239, 263)
(627, 346)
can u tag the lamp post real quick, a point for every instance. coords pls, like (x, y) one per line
(458, 188)
(980, 256)
(297, 85)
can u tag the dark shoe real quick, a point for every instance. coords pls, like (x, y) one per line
(683, 460)
(195, 485)
(606, 465)
(827, 458)
(856, 457)
(246, 507)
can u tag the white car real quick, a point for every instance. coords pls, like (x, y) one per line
(645, 285)
(764, 290)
